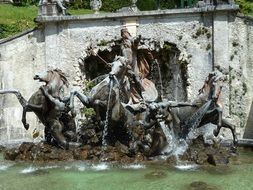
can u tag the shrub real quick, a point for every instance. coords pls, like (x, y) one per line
(25, 2)
(107, 5)
(113, 5)
(146, 5)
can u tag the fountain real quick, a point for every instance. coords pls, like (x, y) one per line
(131, 120)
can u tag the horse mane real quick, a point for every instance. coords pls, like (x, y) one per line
(62, 75)
(207, 80)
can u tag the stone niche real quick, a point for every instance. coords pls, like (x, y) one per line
(173, 72)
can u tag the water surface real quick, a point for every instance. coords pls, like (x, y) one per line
(85, 176)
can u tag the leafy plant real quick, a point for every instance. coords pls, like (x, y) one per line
(246, 6)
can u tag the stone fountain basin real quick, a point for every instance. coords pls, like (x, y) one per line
(75, 175)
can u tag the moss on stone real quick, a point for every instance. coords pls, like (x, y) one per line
(208, 47)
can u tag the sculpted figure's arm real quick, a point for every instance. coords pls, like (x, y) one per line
(154, 106)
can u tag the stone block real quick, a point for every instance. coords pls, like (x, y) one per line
(48, 9)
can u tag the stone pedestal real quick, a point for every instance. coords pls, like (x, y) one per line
(48, 9)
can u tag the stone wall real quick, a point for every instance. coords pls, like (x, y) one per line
(20, 58)
(63, 42)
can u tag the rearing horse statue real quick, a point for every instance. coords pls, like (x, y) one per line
(115, 84)
(47, 111)
(208, 108)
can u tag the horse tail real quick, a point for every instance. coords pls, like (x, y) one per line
(20, 98)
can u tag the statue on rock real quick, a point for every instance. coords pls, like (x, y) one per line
(57, 7)
(50, 108)
(96, 5)
(128, 111)
(142, 89)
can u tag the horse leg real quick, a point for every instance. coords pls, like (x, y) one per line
(224, 123)
(83, 98)
(23, 103)
(97, 104)
(20, 98)
(230, 126)
(56, 132)
(219, 123)
(26, 125)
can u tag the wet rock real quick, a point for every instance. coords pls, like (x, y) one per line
(2, 148)
(40, 172)
(38, 152)
(25, 147)
(121, 148)
(126, 160)
(202, 153)
(202, 158)
(200, 185)
(172, 160)
(139, 157)
(11, 154)
(155, 175)
(80, 154)
(217, 159)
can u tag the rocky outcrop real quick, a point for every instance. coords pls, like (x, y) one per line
(198, 152)
(202, 153)
(43, 152)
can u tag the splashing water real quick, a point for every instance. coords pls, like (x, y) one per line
(105, 131)
(160, 79)
(170, 137)
(100, 167)
(175, 147)
(29, 170)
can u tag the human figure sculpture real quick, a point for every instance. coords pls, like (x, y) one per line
(96, 5)
(138, 70)
(60, 4)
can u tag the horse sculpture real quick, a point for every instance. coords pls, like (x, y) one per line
(108, 95)
(41, 104)
(182, 117)
(207, 109)
(114, 85)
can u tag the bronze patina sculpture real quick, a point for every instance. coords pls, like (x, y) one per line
(59, 125)
(124, 101)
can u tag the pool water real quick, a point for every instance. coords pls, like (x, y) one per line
(85, 176)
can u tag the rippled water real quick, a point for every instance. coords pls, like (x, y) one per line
(85, 176)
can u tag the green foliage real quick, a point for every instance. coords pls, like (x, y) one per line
(88, 112)
(246, 6)
(167, 47)
(88, 85)
(16, 19)
(79, 4)
(11, 29)
(208, 47)
(107, 5)
(113, 5)
(165, 4)
(25, 2)
(146, 5)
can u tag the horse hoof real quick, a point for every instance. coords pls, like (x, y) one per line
(215, 133)
(26, 126)
(233, 149)
(235, 142)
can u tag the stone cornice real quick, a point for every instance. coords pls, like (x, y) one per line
(123, 15)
